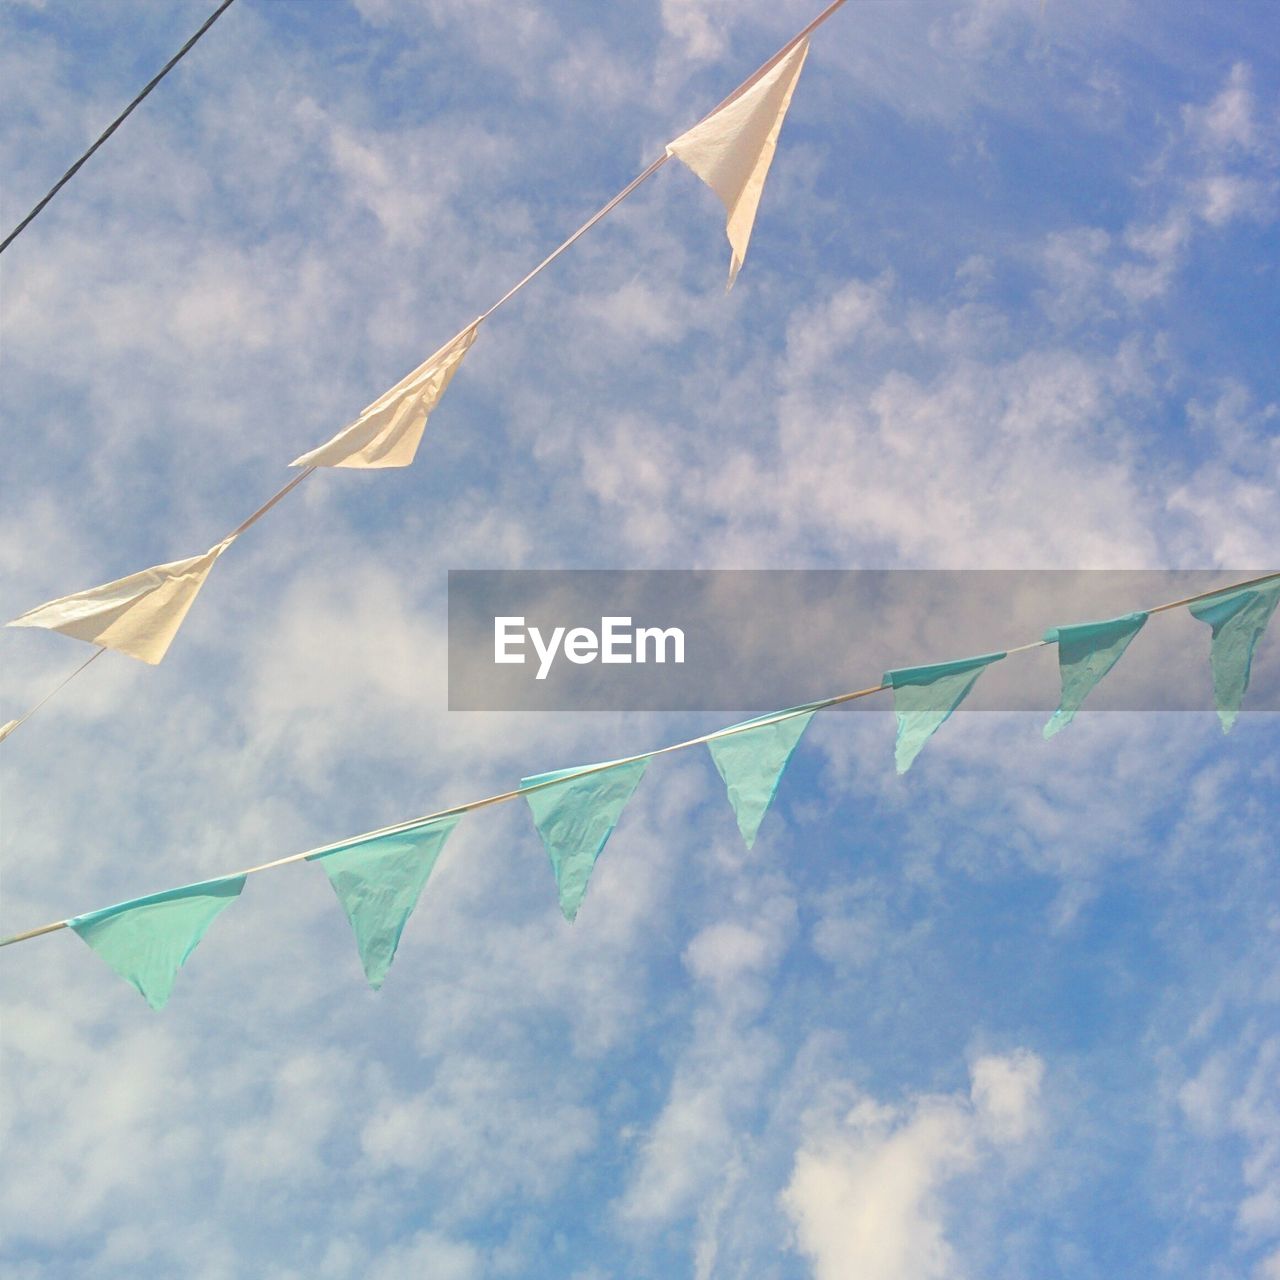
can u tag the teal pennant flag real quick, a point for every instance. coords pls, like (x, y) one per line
(1086, 652)
(1238, 620)
(379, 881)
(146, 941)
(575, 819)
(751, 762)
(925, 697)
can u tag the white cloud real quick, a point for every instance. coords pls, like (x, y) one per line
(1201, 189)
(1227, 122)
(867, 1193)
(287, 1142)
(697, 25)
(727, 952)
(1006, 1093)
(486, 1127)
(690, 1154)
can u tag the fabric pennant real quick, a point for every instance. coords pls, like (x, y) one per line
(1238, 620)
(387, 433)
(7, 728)
(732, 149)
(751, 763)
(138, 615)
(1086, 652)
(925, 697)
(378, 882)
(146, 941)
(576, 818)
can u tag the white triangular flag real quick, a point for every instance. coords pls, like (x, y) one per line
(731, 150)
(387, 433)
(138, 615)
(7, 728)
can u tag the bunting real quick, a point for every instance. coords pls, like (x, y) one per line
(379, 882)
(1086, 652)
(576, 817)
(138, 615)
(146, 941)
(1238, 620)
(379, 877)
(751, 763)
(732, 149)
(925, 697)
(387, 433)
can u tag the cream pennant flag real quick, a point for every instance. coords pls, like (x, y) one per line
(388, 432)
(7, 728)
(732, 149)
(138, 615)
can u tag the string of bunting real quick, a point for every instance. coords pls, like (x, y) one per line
(379, 876)
(730, 149)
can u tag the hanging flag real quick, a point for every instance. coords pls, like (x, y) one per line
(576, 818)
(751, 762)
(1238, 620)
(148, 940)
(1086, 652)
(732, 149)
(378, 882)
(138, 615)
(924, 698)
(387, 433)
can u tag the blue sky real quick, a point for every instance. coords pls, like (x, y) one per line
(1010, 303)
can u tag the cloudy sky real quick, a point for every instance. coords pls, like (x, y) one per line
(1010, 303)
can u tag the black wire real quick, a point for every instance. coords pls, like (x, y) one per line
(116, 123)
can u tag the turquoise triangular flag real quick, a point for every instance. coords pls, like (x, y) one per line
(1086, 652)
(1238, 620)
(148, 940)
(751, 762)
(924, 697)
(576, 818)
(378, 881)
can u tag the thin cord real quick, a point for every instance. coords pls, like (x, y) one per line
(116, 123)
(600, 213)
(62, 684)
(502, 797)
(270, 502)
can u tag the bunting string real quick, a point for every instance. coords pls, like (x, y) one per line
(7, 729)
(141, 614)
(378, 875)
